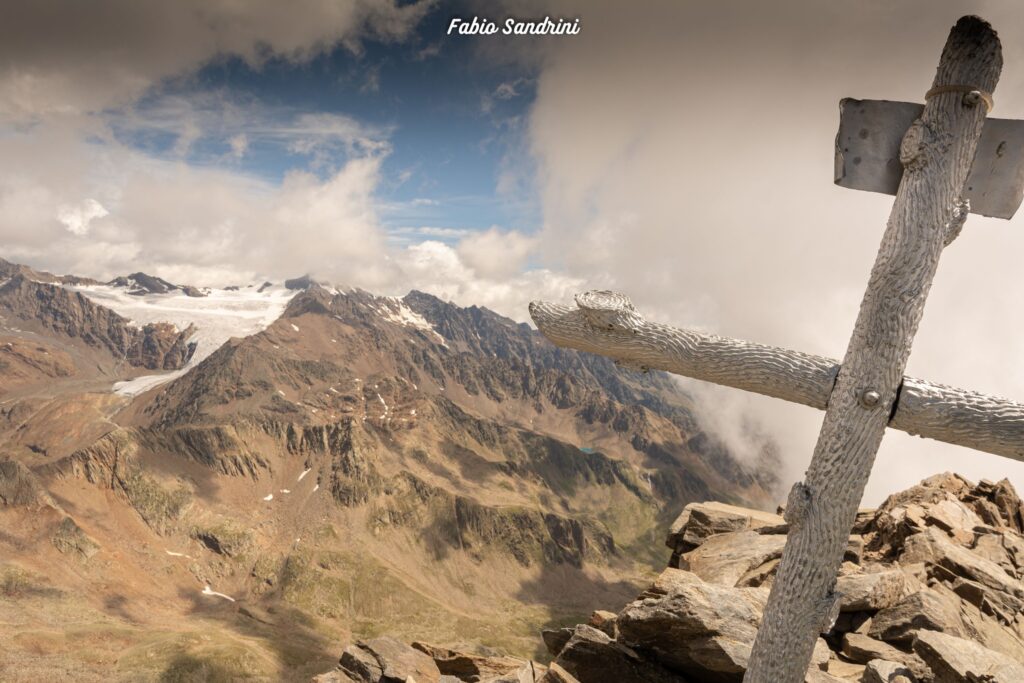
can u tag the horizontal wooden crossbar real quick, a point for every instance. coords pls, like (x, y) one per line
(607, 324)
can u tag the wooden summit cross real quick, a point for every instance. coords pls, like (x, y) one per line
(924, 155)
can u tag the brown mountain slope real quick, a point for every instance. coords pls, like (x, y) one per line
(364, 465)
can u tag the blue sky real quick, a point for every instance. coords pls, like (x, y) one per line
(451, 121)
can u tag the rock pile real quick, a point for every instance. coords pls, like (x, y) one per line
(931, 591)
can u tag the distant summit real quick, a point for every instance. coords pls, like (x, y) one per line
(140, 284)
(304, 282)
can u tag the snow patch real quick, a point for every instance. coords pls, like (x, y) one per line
(217, 317)
(209, 591)
(295, 327)
(304, 473)
(140, 385)
(269, 496)
(394, 309)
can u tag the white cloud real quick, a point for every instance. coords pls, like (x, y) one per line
(496, 254)
(438, 268)
(77, 218)
(159, 214)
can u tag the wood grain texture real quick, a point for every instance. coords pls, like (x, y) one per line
(933, 411)
(789, 375)
(966, 418)
(936, 154)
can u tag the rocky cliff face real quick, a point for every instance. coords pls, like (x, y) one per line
(931, 592)
(72, 316)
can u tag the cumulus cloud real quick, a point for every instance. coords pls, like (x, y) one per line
(496, 254)
(75, 57)
(439, 268)
(77, 218)
(159, 214)
(684, 156)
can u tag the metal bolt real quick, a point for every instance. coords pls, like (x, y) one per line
(869, 398)
(972, 98)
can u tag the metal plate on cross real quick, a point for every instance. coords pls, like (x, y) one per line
(868, 154)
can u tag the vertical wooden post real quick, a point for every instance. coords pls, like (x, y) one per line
(937, 153)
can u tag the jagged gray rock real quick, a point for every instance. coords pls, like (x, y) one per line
(699, 521)
(555, 639)
(695, 628)
(592, 657)
(923, 609)
(872, 591)
(387, 660)
(726, 558)
(861, 648)
(932, 594)
(953, 660)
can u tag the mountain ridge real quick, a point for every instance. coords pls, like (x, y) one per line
(488, 482)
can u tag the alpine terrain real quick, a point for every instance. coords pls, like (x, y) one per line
(238, 483)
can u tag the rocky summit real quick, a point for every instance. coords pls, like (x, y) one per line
(931, 591)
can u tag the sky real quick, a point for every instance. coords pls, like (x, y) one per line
(680, 152)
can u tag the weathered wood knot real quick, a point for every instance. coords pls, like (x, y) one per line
(609, 311)
(957, 217)
(912, 145)
(797, 505)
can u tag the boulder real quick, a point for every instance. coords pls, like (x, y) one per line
(603, 621)
(953, 660)
(701, 630)
(933, 547)
(925, 609)
(1002, 547)
(843, 670)
(953, 517)
(386, 660)
(698, 521)
(555, 639)
(863, 649)
(725, 558)
(471, 667)
(881, 671)
(591, 656)
(760, 576)
(871, 591)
